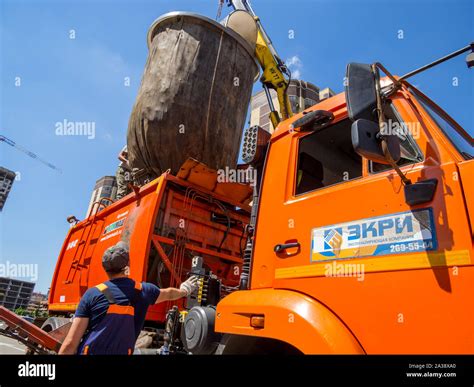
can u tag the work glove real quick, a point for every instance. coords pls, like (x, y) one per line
(190, 285)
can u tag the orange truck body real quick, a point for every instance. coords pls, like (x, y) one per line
(170, 219)
(408, 302)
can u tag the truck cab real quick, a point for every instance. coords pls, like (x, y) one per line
(342, 261)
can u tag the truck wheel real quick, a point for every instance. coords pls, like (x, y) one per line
(49, 325)
(53, 323)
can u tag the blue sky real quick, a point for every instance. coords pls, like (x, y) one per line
(82, 79)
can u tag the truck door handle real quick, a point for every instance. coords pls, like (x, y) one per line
(282, 247)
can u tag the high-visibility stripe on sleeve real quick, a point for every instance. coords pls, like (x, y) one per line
(121, 309)
(101, 287)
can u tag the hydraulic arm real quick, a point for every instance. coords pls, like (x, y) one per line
(274, 69)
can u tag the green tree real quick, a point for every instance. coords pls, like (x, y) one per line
(20, 311)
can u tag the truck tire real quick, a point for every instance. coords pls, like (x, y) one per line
(53, 323)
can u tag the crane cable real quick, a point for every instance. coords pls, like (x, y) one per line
(13, 144)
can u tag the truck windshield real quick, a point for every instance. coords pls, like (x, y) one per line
(462, 141)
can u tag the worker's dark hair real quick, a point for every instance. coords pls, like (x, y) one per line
(116, 258)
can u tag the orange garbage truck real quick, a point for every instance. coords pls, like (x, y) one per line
(356, 238)
(175, 226)
(167, 223)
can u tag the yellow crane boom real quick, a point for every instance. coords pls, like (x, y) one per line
(274, 69)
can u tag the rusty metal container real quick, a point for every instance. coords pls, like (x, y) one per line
(193, 97)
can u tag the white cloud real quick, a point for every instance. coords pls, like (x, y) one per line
(296, 74)
(295, 65)
(294, 61)
(107, 136)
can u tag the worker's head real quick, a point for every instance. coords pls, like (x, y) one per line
(116, 260)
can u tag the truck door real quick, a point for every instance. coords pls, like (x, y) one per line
(337, 227)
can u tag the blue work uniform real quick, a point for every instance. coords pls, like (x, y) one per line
(116, 310)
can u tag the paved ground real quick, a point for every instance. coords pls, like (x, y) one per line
(10, 347)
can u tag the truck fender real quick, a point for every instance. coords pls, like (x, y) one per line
(288, 316)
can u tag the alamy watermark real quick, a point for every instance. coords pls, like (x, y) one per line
(37, 370)
(401, 129)
(26, 271)
(337, 269)
(75, 128)
(243, 176)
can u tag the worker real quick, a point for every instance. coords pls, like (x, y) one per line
(110, 316)
(123, 174)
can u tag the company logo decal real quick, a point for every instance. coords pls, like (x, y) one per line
(411, 231)
(113, 226)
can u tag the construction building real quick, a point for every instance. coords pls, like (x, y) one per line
(7, 178)
(302, 95)
(105, 187)
(38, 304)
(326, 93)
(14, 293)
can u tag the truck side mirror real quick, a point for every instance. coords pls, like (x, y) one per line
(361, 92)
(366, 140)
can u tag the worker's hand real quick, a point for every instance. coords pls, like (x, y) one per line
(189, 285)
